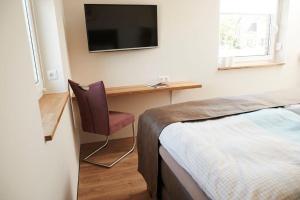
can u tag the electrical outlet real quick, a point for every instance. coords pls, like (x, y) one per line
(164, 79)
(52, 74)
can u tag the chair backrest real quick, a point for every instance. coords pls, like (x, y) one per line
(93, 107)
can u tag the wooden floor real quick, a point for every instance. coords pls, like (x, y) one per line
(121, 182)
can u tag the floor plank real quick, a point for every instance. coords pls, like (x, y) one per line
(121, 182)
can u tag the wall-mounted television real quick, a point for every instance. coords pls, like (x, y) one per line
(112, 27)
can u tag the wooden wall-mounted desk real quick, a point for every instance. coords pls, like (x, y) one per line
(143, 89)
(140, 89)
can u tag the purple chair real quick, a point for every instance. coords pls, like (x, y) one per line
(97, 119)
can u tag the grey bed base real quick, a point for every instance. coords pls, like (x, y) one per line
(176, 183)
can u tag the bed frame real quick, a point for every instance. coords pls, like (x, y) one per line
(176, 183)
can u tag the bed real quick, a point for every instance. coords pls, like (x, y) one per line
(186, 152)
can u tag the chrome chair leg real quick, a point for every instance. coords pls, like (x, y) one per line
(109, 165)
(104, 145)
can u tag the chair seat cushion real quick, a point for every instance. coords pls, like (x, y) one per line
(118, 120)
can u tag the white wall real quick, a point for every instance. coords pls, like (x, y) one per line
(188, 47)
(51, 42)
(60, 22)
(30, 168)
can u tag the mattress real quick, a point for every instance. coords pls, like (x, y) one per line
(250, 156)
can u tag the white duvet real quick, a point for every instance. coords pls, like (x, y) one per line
(253, 156)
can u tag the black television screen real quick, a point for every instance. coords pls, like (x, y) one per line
(118, 27)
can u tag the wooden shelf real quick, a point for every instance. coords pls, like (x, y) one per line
(52, 107)
(140, 89)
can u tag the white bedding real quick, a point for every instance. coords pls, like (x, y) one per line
(253, 156)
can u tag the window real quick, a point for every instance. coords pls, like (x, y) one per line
(32, 37)
(248, 31)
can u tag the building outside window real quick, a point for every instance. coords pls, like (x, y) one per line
(249, 31)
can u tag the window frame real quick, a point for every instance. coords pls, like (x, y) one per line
(273, 41)
(34, 45)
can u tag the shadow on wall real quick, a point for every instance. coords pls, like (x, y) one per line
(68, 193)
(75, 130)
